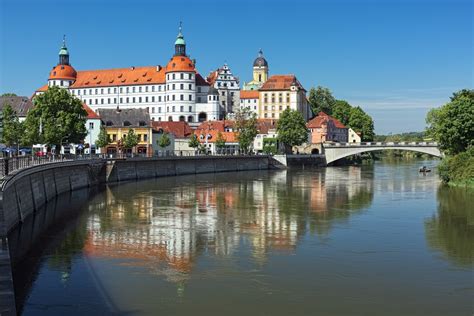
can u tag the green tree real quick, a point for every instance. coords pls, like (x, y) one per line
(321, 99)
(57, 116)
(103, 140)
(246, 126)
(193, 141)
(270, 146)
(342, 111)
(291, 129)
(164, 140)
(131, 140)
(8, 94)
(452, 125)
(362, 122)
(220, 141)
(12, 128)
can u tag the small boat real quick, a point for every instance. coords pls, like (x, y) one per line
(424, 169)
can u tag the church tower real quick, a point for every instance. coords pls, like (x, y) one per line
(260, 73)
(260, 69)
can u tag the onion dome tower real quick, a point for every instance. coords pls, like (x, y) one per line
(180, 84)
(180, 44)
(63, 74)
(260, 68)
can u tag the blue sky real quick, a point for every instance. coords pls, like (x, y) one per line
(395, 59)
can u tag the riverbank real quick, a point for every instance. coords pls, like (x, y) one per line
(458, 170)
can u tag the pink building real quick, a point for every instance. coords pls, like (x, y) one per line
(325, 128)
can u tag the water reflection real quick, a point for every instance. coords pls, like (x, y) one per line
(264, 241)
(172, 221)
(451, 230)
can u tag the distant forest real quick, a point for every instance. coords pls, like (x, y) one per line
(403, 137)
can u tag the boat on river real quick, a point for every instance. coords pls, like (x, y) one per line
(424, 169)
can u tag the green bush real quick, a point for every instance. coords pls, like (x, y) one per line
(458, 169)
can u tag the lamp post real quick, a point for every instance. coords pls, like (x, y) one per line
(90, 141)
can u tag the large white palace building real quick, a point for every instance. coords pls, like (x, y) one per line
(175, 92)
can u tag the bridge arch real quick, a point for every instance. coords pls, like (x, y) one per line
(334, 152)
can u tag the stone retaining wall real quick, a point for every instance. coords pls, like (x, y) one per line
(27, 190)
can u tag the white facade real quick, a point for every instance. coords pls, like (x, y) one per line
(352, 136)
(228, 87)
(252, 104)
(175, 92)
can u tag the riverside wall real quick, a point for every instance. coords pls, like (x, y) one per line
(28, 190)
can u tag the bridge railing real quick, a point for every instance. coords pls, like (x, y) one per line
(383, 144)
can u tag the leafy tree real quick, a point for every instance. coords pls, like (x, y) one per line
(270, 146)
(8, 94)
(246, 126)
(321, 99)
(291, 129)
(164, 140)
(452, 125)
(12, 128)
(342, 111)
(103, 139)
(131, 140)
(193, 141)
(363, 123)
(220, 141)
(56, 116)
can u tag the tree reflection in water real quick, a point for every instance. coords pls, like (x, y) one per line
(451, 230)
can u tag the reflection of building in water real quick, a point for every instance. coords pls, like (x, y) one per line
(174, 225)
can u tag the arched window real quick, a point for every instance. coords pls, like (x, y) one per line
(182, 118)
(190, 118)
(170, 119)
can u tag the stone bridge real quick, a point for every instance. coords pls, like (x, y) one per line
(336, 151)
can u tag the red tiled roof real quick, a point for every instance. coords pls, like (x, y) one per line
(264, 125)
(211, 79)
(63, 72)
(230, 137)
(180, 63)
(215, 125)
(249, 94)
(323, 118)
(280, 82)
(178, 129)
(90, 113)
(127, 76)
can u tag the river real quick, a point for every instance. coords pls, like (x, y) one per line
(379, 239)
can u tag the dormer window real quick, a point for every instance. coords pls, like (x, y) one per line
(141, 123)
(109, 123)
(126, 123)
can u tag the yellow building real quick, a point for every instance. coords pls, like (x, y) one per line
(119, 122)
(280, 92)
(260, 73)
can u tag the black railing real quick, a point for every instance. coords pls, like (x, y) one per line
(11, 164)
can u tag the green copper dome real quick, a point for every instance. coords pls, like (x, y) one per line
(63, 51)
(180, 40)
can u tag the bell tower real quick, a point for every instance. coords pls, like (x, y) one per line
(180, 44)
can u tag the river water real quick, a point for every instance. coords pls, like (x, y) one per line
(370, 240)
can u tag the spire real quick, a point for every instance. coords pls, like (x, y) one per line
(180, 44)
(260, 53)
(64, 53)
